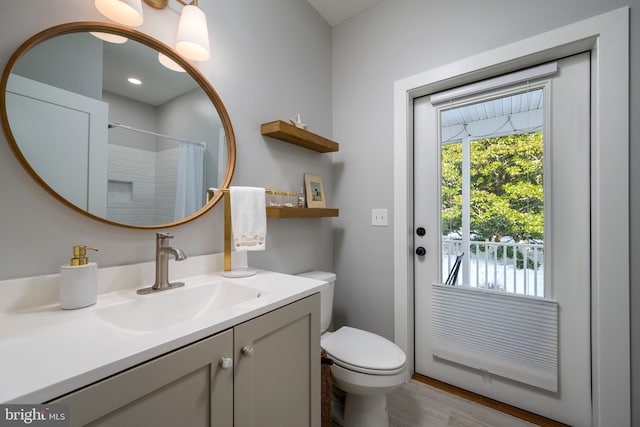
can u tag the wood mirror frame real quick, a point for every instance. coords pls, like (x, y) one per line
(198, 77)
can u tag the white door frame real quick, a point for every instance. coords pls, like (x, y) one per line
(607, 37)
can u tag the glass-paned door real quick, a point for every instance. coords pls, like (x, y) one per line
(502, 281)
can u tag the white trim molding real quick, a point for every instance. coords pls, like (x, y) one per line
(606, 36)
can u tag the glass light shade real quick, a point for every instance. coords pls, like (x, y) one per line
(192, 40)
(169, 63)
(125, 12)
(111, 38)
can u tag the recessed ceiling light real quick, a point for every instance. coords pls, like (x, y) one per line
(134, 81)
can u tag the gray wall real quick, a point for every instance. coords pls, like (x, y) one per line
(397, 39)
(133, 113)
(269, 61)
(388, 42)
(634, 162)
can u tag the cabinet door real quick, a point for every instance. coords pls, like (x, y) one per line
(277, 382)
(187, 387)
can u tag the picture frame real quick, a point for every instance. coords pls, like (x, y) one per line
(314, 191)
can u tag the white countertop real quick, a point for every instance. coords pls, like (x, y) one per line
(46, 352)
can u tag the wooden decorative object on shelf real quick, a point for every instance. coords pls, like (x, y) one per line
(276, 212)
(302, 137)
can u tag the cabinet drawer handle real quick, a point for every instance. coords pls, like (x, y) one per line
(226, 362)
(247, 351)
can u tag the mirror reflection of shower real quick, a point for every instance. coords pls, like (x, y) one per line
(153, 177)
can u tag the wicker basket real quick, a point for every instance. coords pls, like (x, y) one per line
(327, 388)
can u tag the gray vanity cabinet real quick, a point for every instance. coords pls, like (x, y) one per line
(277, 372)
(274, 381)
(187, 387)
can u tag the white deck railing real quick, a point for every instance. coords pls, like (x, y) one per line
(510, 267)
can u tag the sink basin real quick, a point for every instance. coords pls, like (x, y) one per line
(163, 309)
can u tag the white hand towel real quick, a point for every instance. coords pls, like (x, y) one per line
(248, 218)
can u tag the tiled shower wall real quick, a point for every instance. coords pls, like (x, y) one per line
(166, 178)
(141, 188)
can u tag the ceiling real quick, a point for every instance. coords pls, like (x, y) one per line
(515, 114)
(336, 11)
(133, 59)
(500, 107)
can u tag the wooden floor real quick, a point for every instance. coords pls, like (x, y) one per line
(424, 402)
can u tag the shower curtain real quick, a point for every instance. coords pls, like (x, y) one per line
(190, 191)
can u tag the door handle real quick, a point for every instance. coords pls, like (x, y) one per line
(420, 251)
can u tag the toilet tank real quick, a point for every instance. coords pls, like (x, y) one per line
(326, 296)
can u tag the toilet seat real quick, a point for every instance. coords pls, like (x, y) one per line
(364, 352)
(362, 370)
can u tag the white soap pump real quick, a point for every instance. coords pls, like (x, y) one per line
(79, 280)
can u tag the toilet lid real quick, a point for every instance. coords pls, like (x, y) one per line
(363, 349)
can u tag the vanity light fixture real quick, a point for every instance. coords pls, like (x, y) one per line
(111, 38)
(125, 12)
(170, 63)
(192, 39)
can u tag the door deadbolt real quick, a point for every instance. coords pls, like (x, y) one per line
(420, 231)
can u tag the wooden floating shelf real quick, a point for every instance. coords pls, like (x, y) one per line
(302, 137)
(276, 212)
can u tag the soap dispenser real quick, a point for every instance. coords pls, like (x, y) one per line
(79, 280)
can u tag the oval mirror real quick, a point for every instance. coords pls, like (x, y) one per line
(113, 133)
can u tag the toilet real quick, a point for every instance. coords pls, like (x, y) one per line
(366, 366)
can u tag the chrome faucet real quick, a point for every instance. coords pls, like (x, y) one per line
(162, 265)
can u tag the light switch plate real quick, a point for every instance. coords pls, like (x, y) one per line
(379, 217)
